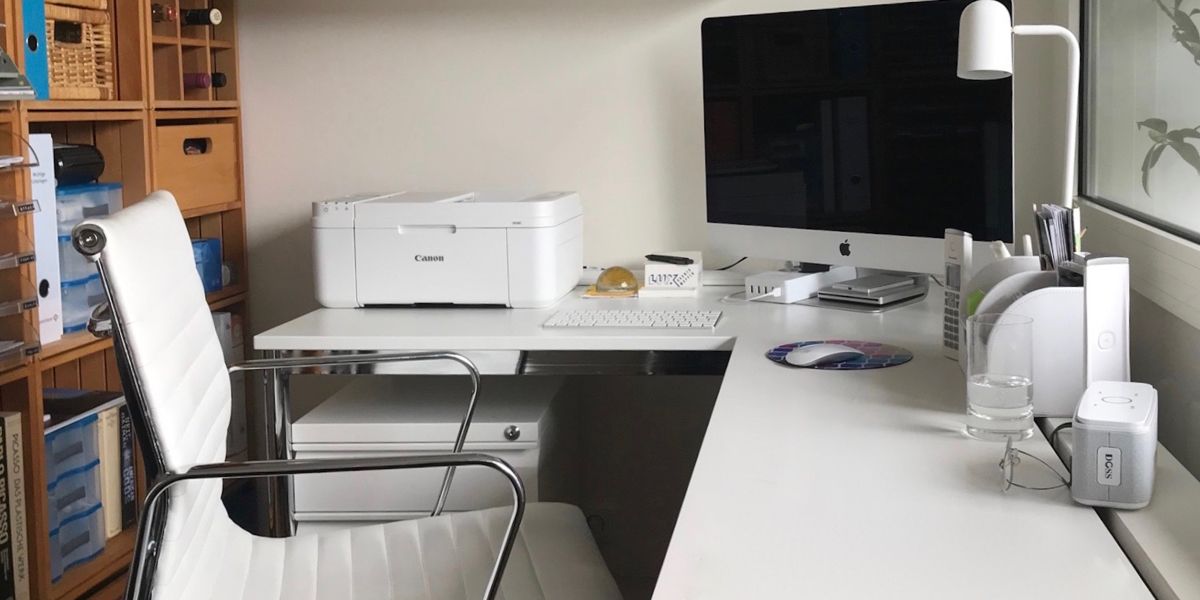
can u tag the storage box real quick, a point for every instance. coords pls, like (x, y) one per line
(207, 254)
(70, 447)
(78, 539)
(75, 203)
(72, 265)
(80, 51)
(79, 297)
(93, 4)
(198, 163)
(413, 415)
(73, 492)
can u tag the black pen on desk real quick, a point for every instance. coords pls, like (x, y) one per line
(673, 260)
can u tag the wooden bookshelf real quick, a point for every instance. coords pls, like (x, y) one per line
(151, 60)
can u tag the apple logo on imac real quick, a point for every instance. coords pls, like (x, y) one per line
(844, 248)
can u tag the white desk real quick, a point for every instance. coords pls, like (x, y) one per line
(811, 484)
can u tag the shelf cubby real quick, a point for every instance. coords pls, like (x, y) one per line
(163, 28)
(123, 143)
(229, 227)
(195, 65)
(194, 49)
(168, 73)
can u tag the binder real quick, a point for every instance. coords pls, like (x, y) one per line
(37, 70)
(45, 239)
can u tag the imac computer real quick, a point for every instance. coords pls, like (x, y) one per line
(844, 137)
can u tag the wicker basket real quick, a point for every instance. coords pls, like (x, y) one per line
(94, 4)
(80, 50)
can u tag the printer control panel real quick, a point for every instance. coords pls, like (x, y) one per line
(339, 212)
(333, 213)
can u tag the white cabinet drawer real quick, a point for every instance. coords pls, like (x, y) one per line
(411, 490)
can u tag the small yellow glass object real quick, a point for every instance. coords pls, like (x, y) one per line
(616, 279)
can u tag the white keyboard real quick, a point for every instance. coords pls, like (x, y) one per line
(635, 319)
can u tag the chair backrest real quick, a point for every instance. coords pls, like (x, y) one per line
(174, 374)
(164, 330)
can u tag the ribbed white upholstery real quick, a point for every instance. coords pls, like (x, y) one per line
(149, 269)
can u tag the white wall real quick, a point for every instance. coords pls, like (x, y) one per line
(601, 96)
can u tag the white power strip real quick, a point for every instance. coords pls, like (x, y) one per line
(786, 287)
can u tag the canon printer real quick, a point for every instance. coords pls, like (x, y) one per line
(447, 248)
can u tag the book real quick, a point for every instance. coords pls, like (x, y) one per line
(129, 514)
(109, 434)
(14, 555)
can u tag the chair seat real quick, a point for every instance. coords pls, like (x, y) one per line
(436, 558)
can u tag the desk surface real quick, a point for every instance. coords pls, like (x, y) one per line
(810, 483)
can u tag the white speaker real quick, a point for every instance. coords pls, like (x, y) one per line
(1116, 441)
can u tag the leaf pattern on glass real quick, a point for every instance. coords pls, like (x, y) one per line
(1183, 28)
(1163, 138)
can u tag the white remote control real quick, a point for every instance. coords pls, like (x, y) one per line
(958, 268)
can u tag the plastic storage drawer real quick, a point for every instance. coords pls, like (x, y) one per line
(78, 202)
(78, 299)
(76, 540)
(74, 492)
(72, 264)
(71, 448)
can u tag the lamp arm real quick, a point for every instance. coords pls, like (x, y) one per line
(1068, 194)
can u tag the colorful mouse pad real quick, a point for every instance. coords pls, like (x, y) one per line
(876, 355)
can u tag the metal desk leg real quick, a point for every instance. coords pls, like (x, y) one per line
(278, 428)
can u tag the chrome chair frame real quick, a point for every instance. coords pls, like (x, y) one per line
(90, 242)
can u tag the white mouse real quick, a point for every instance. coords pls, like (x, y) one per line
(820, 354)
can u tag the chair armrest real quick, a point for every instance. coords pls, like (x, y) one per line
(270, 364)
(272, 468)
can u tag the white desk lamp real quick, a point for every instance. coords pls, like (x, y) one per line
(985, 51)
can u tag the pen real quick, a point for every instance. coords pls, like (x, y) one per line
(674, 260)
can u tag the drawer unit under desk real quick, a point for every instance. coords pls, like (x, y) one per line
(389, 495)
(378, 416)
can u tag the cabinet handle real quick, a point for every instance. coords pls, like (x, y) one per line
(194, 146)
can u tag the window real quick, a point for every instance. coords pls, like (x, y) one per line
(1141, 128)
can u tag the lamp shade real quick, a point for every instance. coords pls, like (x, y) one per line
(985, 46)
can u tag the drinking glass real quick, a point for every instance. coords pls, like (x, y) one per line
(999, 376)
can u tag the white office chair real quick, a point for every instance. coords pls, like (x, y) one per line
(177, 386)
